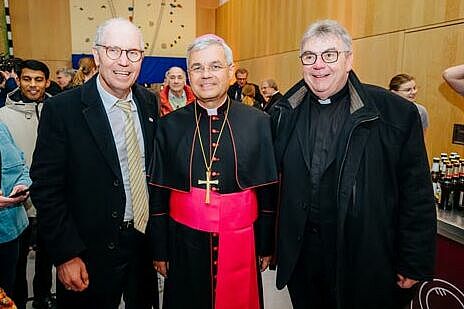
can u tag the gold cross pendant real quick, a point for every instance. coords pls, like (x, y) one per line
(208, 182)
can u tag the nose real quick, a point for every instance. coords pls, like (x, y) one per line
(319, 63)
(123, 60)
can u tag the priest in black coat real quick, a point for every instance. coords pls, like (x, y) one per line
(213, 174)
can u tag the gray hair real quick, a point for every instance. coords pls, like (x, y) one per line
(271, 83)
(169, 71)
(115, 22)
(66, 71)
(324, 28)
(207, 40)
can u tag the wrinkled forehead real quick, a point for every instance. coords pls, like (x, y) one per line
(206, 55)
(123, 36)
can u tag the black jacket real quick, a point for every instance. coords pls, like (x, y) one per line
(379, 216)
(77, 183)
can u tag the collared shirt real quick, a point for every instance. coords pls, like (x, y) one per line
(177, 102)
(117, 118)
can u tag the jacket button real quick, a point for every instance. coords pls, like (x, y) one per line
(111, 245)
(116, 182)
(114, 214)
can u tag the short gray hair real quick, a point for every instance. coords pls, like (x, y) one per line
(207, 40)
(324, 28)
(115, 22)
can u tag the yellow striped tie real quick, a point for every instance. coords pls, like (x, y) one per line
(136, 176)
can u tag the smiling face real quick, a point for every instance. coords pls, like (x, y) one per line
(326, 79)
(117, 76)
(33, 84)
(176, 80)
(210, 85)
(63, 79)
(408, 90)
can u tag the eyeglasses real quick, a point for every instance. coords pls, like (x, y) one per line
(114, 52)
(214, 67)
(329, 56)
(411, 89)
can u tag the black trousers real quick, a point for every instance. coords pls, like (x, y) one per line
(312, 283)
(42, 282)
(9, 253)
(128, 273)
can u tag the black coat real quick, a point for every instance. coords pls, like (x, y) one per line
(77, 183)
(380, 197)
(231, 92)
(272, 101)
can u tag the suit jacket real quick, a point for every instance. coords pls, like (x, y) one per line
(272, 101)
(231, 92)
(77, 181)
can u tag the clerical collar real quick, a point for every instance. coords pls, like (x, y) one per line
(332, 99)
(214, 111)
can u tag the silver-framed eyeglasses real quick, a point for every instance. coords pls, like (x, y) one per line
(114, 52)
(212, 67)
(329, 56)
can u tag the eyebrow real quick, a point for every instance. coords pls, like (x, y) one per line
(328, 49)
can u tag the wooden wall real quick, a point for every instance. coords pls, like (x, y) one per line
(41, 30)
(418, 37)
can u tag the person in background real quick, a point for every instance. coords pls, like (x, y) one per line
(87, 69)
(212, 217)
(21, 115)
(64, 77)
(405, 86)
(89, 179)
(357, 219)
(271, 94)
(454, 76)
(176, 93)
(248, 96)
(241, 79)
(14, 178)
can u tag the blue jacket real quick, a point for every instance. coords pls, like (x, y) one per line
(14, 171)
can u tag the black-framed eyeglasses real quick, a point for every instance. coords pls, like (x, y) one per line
(329, 56)
(114, 52)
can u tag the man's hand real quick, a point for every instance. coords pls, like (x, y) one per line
(9, 201)
(264, 262)
(161, 267)
(73, 275)
(405, 283)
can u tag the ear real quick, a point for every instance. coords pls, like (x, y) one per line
(349, 62)
(96, 56)
(231, 71)
(47, 84)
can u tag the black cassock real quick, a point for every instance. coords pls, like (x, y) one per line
(244, 160)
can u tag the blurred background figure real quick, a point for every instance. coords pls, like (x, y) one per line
(87, 69)
(248, 96)
(270, 93)
(241, 79)
(454, 76)
(176, 93)
(64, 77)
(405, 85)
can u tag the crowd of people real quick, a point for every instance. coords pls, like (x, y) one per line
(207, 183)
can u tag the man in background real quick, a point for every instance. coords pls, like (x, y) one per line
(176, 93)
(241, 79)
(21, 115)
(271, 94)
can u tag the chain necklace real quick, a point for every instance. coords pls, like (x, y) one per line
(208, 182)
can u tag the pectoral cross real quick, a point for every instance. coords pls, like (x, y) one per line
(208, 182)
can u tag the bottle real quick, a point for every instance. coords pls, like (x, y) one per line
(435, 175)
(460, 200)
(454, 194)
(445, 185)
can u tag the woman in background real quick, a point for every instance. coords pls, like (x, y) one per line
(13, 218)
(87, 69)
(405, 85)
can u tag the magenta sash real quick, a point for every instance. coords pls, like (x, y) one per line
(232, 216)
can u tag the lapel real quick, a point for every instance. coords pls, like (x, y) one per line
(302, 131)
(99, 125)
(147, 117)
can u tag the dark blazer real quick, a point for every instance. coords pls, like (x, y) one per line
(231, 92)
(77, 182)
(272, 101)
(378, 218)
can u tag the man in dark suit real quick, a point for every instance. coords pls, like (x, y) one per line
(235, 90)
(89, 186)
(357, 220)
(271, 93)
